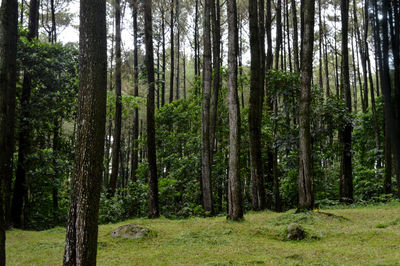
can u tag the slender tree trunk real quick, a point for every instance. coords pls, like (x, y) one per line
(177, 50)
(320, 49)
(163, 56)
(288, 35)
(8, 55)
(118, 105)
(215, 17)
(151, 143)
(278, 32)
(326, 61)
(205, 114)
(346, 179)
(172, 67)
(268, 30)
(306, 194)
(235, 210)
(295, 38)
(24, 139)
(82, 229)
(196, 30)
(135, 146)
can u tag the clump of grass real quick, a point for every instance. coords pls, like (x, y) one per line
(288, 218)
(392, 223)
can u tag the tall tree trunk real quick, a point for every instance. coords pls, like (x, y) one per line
(362, 51)
(395, 40)
(346, 178)
(8, 55)
(278, 32)
(118, 105)
(24, 138)
(268, 30)
(172, 67)
(205, 113)
(306, 194)
(151, 142)
(135, 146)
(320, 49)
(163, 56)
(196, 30)
(215, 17)
(326, 61)
(82, 228)
(177, 50)
(386, 86)
(235, 210)
(288, 35)
(255, 109)
(295, 38)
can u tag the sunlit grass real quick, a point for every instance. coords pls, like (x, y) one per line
(366, 235)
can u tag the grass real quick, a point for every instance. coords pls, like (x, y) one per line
(350, 236)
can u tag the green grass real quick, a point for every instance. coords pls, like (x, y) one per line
(351, 236)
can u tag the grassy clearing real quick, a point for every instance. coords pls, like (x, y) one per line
(368, 236)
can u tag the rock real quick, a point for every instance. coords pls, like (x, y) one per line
(130, 231)
(295, 232)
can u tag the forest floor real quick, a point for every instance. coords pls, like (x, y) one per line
(367, 235)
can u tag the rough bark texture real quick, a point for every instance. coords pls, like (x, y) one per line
(235, 210)
(151, 142)
(118, 105)
(82, 229)
(135, 146)
(19, 204)
(205, 113)
(306, 195)
(255, 109)
(8, 53)
(346, 178)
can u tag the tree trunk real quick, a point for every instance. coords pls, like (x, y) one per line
(255, 109)
(118, 105)
(346, 179)
(205, 114)
(306, 194)
(8, 55)
(215, 17)
(278, 32)
(163, 56)
(151, 143)
(295, 38)
(24, 138)
(135, 146)
(171, 80)
(235, 210)
(82, 228)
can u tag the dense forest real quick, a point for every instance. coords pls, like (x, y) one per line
(187, 108)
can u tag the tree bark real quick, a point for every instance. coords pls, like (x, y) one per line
(295, 38)
(255, 108)
(82, 228)
(346, 179)
(135, 146)
(235, 210)
(8, 74)
(306, 194)
(118, 105)
(172, 67)
(151, 143)
(205, 113)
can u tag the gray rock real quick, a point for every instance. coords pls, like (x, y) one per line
(130, 231)
(295, 232)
